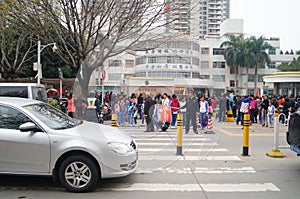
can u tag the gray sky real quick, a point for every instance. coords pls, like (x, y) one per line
(270, 18)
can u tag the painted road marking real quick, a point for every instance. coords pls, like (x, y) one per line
(238, 187)
(172, 139)
(197, 170)
(189, 158)
(184, 150)
(173, 143)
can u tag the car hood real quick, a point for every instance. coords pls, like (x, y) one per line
(100, 131)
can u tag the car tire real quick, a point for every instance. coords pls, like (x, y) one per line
(78, 174)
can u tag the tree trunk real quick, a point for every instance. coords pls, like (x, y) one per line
(82, 89)
(255, 77)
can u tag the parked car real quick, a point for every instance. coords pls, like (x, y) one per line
(24, 90)
(38, 139)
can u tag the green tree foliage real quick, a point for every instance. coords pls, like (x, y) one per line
(293, 66)
(249, 53)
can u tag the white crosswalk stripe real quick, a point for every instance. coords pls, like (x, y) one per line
(161, 147)
(196, 170)
(209, 187)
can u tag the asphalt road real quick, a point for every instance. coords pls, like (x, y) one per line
(211, 166)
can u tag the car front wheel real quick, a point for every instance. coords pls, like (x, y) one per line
(78, 174)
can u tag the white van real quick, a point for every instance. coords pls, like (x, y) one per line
(24, 90)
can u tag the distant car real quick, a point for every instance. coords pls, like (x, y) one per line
(37, 139)
(24, 90)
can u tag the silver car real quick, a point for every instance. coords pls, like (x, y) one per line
(37, 139)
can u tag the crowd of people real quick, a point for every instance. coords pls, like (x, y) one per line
(196, 109)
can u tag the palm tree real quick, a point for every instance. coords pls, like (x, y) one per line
(233, 53)
(258, 48)
(249, 59)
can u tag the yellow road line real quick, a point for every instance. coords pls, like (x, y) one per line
(251, 134)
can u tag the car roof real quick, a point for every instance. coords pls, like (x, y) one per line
(17, 101)
(20, 84)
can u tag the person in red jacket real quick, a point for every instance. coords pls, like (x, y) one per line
(174, 108)
(71, 105)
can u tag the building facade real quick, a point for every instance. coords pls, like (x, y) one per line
(175, 66)
(197, 18)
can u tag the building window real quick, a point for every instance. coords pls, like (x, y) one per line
(204, 77)
(260, 78)
(218, 51)
(114, 76)
(151, 60)
(251, 78)
(219, 64)
(272, 65)
(218, 78)
(141, 60)
(195, 61)
(195, 75)
(205, 51)
(204, 65)
(140, 74)
(129, 63)
(272, 51)
(232, 83)
(114, 63)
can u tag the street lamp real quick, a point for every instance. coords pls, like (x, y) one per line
(39, 66)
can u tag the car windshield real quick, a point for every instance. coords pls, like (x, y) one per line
(51, 116)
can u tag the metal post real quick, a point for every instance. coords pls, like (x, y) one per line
(276, 153)
(179, 133)
(246, 134)
(39, 67)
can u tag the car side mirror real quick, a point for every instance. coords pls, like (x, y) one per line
(28, 126)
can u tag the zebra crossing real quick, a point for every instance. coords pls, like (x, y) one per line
(157, 157)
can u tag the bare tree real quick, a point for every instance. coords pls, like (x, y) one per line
(90, 31)
(16, 45)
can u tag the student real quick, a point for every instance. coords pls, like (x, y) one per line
(271, 111)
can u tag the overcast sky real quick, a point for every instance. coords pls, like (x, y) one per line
(270, 18)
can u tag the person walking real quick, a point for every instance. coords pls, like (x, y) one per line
(148, 113)
(174, 109)
(192, 108)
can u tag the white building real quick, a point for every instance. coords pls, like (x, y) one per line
(182, 64)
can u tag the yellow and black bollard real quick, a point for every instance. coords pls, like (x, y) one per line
(114, 120)
(229, 116)
(179, 133)
(246, 134)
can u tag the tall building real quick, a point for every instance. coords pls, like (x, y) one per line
(211, 14)
(198, 18)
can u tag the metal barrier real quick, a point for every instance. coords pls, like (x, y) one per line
(276, 153)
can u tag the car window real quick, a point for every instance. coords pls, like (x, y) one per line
(51, 117)
(39, 93)
(14, 91)
(11, 118)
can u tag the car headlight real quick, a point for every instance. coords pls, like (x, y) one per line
(119, 148)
